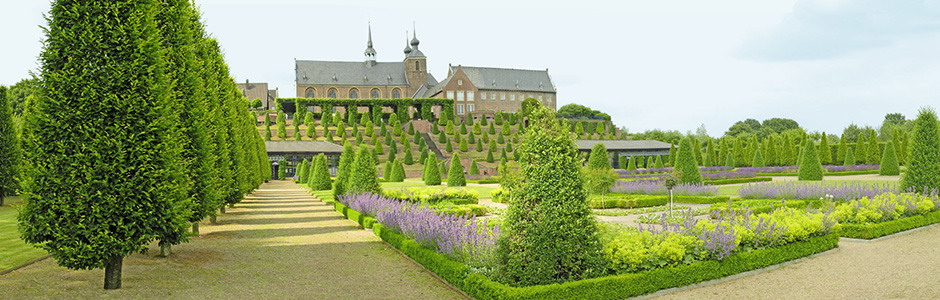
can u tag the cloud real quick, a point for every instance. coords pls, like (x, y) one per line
(825, 29)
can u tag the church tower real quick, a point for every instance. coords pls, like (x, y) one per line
(370, 52)
(416, 66)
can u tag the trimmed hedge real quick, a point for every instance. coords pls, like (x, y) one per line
(875, 230)
(845, 173)
(737, 180)
(760, 206)
(638, 201)
(608, 287)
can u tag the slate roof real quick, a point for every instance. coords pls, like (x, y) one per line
(302, 147)
(508, 79)
(623, 145)
(350, 73)
(254, 90)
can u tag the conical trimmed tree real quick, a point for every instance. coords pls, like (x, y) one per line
(346, 161)
(320, 177)
(825, 155)
(548, 209)
(455, 176)
(387, 173)
(398, 172)
(758, 161)
(301, 171)
(599, 159)
(889, 161)
(686, 164)
(489, 156)
(810, 168)
(849, 157)
(631, 165)
(362, 177)
(474, 169)
(431, 174)
(729, 160)
(659, 162)
(923, 160)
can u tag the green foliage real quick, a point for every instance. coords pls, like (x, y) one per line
(631, 164)
(599, 159)
(849, 157)
(489, 156)
(387, 173)
(281, 125)
(10, 156)
(455, 176)
(362, 177)
(923, 167)
(880, 229)
(577, 111)
(686, 164)
(758, 161)
(599, 181)
(548, 209)
(889, 161)
(463, 146)
(346, 161)
(810, 168)
(320, 179)
(474, 169)
(301, 171)
(398, 172)
(825, 154)
(431, 174)
(659, 162)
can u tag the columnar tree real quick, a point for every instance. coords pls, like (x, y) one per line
(758, 161)
(362, 177)
(599, 159)
(841, 150)
(849, 157)
(431, 174)
(686, 164)
(9, 148)
(281, 125)
(320, 179)
(825, 155)
(923, 167)
(889, 161)
(874, 150)
(548, 209)
(346, 161)
(455, 176)
(810, 168)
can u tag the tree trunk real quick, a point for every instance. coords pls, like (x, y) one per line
(166, 250)
(112, 273)
(222, 209)
(196, 228)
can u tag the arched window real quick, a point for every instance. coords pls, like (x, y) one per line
(374, 94)
(417, 66)
(396, 93)
(332, 93)
(310, 93)
(353, 94)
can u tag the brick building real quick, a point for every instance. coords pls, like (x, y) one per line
(258, 90)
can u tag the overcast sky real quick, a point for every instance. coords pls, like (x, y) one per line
(667, 64)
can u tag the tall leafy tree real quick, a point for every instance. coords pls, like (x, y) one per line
(113, 180)
(549, 209)
(923, 167)
(9, 148)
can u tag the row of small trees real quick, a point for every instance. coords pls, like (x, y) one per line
(139, 133)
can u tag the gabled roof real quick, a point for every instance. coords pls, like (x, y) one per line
(508, 79)
(350, 73)
(302, 147)
(254, 90)
(623, 145)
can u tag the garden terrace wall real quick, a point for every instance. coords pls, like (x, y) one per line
(876, 230)
(608, 287)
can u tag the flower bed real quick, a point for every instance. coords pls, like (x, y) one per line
(831, 170)
(658, 188)
(435, 196)
(728, 175)
(886, 214)
(735, 181)
(764, 205)
(622, 173)
(814, 190)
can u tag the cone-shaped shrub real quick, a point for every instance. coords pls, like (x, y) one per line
(549, 209)
(281, 125)
(362, 177)
(301, 171)
(449, 148)
(474, 170)
(424, 155)
(729, 159)
(398, 172)
(810, 168)
(9, 148)
(849, 157)
(320, 179)
(686, 164)
(923, 160)
(431, 174)
(346, 161)
(443, 167)
(889, 161)
(489, 156)
(463, 146)
(599, 158)
(631, 165)
(622, 162)
(659, 162)
(409, 159)
(455, 176)
(387, 172)
(825, 154)
(758, 161)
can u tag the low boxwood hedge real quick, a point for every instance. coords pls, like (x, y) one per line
(760, 206)
(637, 201)
(737, 180)
(875, 230)
(845, 173)
(609, 287)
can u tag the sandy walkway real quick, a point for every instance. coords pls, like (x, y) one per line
(280, 243)
(899, 267)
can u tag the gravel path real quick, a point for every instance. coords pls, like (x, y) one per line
(899, 267)
(279, 243)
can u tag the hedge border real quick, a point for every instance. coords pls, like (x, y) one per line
(737, 180)
(846, 173)
(609, 287)
(760, 209)
(870, 231)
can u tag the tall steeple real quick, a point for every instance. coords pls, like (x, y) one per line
(407, 48)
(370, 52)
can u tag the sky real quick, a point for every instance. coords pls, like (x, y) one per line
(666, 64)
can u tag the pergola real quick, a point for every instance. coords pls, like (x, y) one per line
(424, 107)
(293, 152)
(628, 148)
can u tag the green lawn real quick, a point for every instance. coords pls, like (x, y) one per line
(13, 251)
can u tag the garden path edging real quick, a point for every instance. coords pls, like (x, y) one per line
(24, 264)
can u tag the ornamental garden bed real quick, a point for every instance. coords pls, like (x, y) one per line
(737, 180)
(715, 255)
(885, 214)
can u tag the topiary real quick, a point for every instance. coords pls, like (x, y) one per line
(387, 172)
(431, 174)
(489, 156)
(320, 179)
(362, 178)
(923, 159)
(409, 159)
(729, 160)
(758, 161)
(455, 176)
(398, 172)
(474, 169)
(346, 160)
(849, 157)
(463, 146)
(301, 170)
(631, 165)
(889, 161)
(599, 158)
(659, 162)
(548, 209)
(810, 168)
(686, 164)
